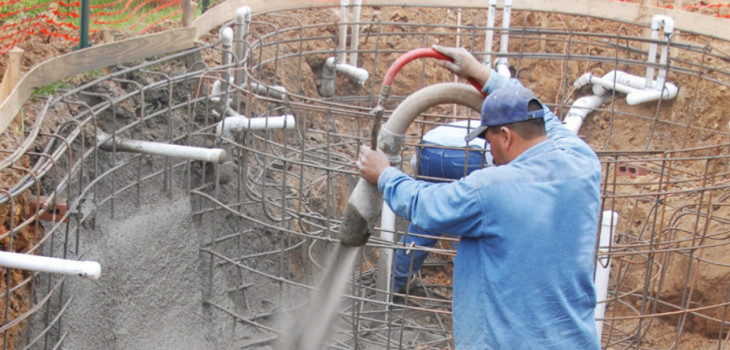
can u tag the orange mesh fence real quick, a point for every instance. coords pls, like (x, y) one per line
(56, 19)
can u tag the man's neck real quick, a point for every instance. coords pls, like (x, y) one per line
(524, 145)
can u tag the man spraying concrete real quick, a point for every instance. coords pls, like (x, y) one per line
(523, 273)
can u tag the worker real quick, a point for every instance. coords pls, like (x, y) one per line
(441, 156)
(523, 272)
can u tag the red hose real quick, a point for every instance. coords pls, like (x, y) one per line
(418, 53)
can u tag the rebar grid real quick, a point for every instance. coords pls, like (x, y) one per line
(268, 216)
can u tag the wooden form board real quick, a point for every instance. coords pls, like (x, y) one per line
(611, 10)
(12, 72)
(89, 59)
(178, 39)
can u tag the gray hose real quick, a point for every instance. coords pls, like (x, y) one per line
(365, 202)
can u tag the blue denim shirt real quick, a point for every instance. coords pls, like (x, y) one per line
(523, 273)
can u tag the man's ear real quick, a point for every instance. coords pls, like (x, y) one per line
(507, 136)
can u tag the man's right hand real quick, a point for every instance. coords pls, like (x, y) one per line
(371, 163)
(465, 65)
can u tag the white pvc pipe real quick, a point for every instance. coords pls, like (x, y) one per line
(243, 18)
(490, 32)
(239, 123)
(626, 83)
(640, 94)
(385, 262)
(86, 269)
(633, 86)
(583, 80)
(227, 37)
(580, 109)
(602, 84)
(356, 75)
(342, 51)
(656, 22)
(668, 28)
(355, 37)
(227, 41)
(502, 64)
(651, 58)
(216, 91)
(387, 225)
(603, 267)
(503, 67)
(213, 155)
(275, 91)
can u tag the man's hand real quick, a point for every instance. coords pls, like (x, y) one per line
(465, 65)
(371, 164)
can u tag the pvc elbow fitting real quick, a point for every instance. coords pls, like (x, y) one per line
(503, 68)
(216, 91)
(583, 80)
(580, 109)
(357, 75)
(667, 21)
(243, 14)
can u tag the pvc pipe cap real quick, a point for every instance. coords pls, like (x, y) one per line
(91, 270)
(227, 36)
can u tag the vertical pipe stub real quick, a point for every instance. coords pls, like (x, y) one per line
(502, 64)
(489, 37)
(603, 267)
(226, 36)
(326, 86)
(344, 18)
(243, 17)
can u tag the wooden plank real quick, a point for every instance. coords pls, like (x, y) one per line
(12, 104)
(92, 58)
(12, 72)
(226, 11)
(101, 56)
(618, 11)
(622, 12)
